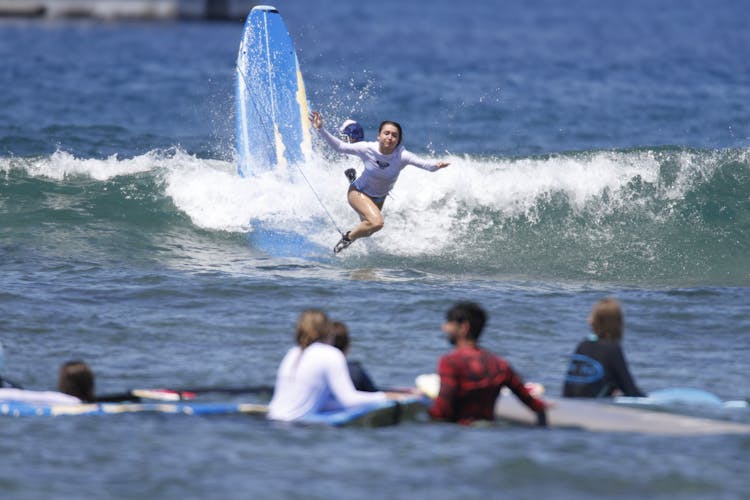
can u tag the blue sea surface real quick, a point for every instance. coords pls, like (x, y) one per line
(597, 149)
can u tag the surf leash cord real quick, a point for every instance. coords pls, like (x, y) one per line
(265, 130)
(333, 221)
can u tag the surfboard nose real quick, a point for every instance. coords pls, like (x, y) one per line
(271, 109)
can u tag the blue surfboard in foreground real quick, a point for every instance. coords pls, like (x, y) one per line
(370, 415)
(374, 414)
(20, 409)
(271, 109)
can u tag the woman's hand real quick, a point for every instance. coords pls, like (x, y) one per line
(441, 164)
(316, 119)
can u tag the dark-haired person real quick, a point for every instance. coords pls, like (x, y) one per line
(75, 384)
(598, 368)
(313, 375)
(471, 377)
(76, 379)
(339, 338)
(383, 161)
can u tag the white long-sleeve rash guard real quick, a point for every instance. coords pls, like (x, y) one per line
(315, 379)
(37, 397)
(381, 171)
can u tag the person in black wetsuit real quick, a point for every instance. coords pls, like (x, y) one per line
(339, 337)
(598, 368)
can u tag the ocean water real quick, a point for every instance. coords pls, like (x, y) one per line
(597, 149)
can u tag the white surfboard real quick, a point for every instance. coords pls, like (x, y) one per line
(597, 415)
(271, 110)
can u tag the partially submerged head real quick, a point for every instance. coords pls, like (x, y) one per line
(312, 326)
(606, 319)
(339, 336)
(464, 321)
(76, 379)
(352, 131)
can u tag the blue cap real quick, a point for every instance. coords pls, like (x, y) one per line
(352, 130)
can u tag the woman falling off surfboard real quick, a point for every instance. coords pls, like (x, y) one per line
(383, 161)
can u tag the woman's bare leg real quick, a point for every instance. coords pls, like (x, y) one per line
(369, 213)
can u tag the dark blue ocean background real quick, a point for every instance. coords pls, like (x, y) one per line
(597, 148)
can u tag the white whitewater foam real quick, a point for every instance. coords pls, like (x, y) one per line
(62, 165)
(427, 212)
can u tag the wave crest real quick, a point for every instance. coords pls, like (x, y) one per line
(669, 215)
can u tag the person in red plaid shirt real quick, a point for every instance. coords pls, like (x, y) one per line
(471, 377)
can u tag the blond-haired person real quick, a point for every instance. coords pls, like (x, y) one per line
(598, 368)
(313, 376)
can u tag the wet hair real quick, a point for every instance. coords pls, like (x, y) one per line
(312, 326)
(395, 124)
(606, 319)
(471, 312)
(76, 379)
(339, 335)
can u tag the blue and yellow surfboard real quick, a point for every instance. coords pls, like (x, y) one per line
(271, 105)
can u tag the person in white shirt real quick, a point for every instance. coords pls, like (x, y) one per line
(75, 385)
(383, 161)
(313, 376)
